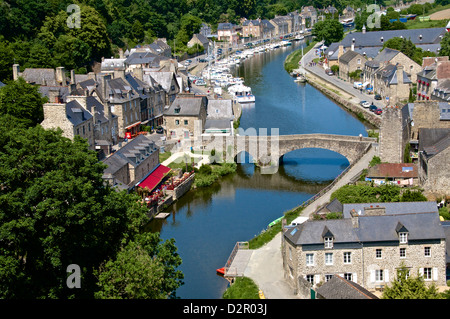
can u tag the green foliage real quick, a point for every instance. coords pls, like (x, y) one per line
(374, 161)
(242, 288)
(328, 30)
(407, 47)
(143, 269)
(55, 210)
(444, 212)
(445, 45)
(412, 196)
(23, 102)
(410, 287)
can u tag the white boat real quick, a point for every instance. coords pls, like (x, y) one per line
(241, 93)
(300, 78)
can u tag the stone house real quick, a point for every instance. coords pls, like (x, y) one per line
(434, 160)
(228, 32)
(442, 91)
(71, 117)
(252, 28)
(296, 21)
(168, 81)
(436, 70)
(392, 83)
(220, 117)
(349, 62)
(268, 30)
(355, 249)
(282, 25)
(186, 117)
(309, 17)
(105, 123)
(131, 163)
(200, 39)
(402, 174)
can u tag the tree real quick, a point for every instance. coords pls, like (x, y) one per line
(445, 45)
(22, 101)
(139, 273)
(406, 286)
(328, 30)
(56, 210)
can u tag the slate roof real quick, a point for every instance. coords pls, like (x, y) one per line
(340, 288)
(188, 106)
(348, 56)
(76, 114)
(372, 38)
(389, 74)
(392, 208)
(433, 140)
(220, 109)
(124, 155)
(163, 78)
(143, 57)
(254, 22)
(420, 226)
(386, 55)
(225, 26)
(40, 76)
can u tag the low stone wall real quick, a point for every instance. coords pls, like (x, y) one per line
(183, 188)
(368, 116)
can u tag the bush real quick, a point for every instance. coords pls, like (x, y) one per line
(205, 170)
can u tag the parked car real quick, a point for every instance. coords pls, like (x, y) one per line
(377, 97)
(329, 72)
(159, 130)
(362, 102)
(365, 105)
(378, 111)
(373, 108)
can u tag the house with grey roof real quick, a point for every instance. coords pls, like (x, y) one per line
(168, 80)
(367, 247)
(340, 288)
(434, 160)
(131, 163)
(71, 117)
(186, 116)
(199, 39)
(349, 62)
(219, 120)
(436, 71)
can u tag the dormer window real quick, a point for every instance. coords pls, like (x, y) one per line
(328, 238)
(402, 233)
(328, 242)
(403, 237)
(177, 109)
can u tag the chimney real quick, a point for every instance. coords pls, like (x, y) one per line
(121, 53)
(364, 29)
(341, 51)
(139, 73)
(443, 70)
(400, 74)
(355, 218)
(54, 96)
(16, 71)
(353, 44)
(104, 80)
(61, 75)
(119, 73)
(72, 77)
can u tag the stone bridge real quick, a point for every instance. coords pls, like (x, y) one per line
(266, 150)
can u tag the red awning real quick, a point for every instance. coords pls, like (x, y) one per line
(155, 177)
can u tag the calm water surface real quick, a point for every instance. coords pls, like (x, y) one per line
(207, 223)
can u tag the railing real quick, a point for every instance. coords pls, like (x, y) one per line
(328, 187)
(239, 245)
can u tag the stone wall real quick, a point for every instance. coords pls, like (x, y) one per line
(391, 136)
(426, 114)
(437, 175)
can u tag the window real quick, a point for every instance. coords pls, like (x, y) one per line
(309, 259)
(347, 258)
(186, 122)
(328, 258)
(402, 252)
(427, 273)
(378, 253)
(328, 242)
(290, 253)
(328, 277)
(84, 130)
(427, 251)
(177, 122)
(358, 61)
(348, 276)
(379, 275)
(310, 279)
(403, 238)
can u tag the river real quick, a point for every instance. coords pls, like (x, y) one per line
(207, 223)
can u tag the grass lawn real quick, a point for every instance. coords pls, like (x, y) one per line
(242, 288)
(417, 24)
(292, 59)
